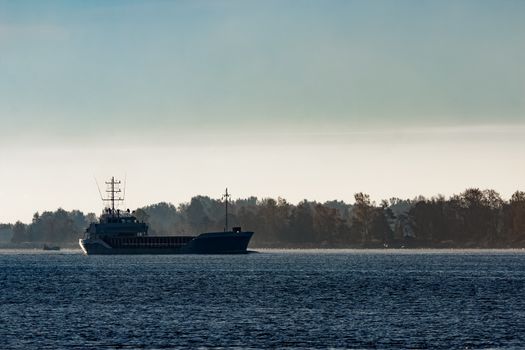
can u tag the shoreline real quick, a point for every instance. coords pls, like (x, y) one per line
(303, 250)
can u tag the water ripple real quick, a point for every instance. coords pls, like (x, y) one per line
(275, 299)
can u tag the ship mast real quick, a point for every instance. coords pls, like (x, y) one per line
(113, 188)
(225, 197)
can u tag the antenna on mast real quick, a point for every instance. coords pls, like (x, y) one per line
(225, 197)
(113, 188)
(124, 193)
(98, 187)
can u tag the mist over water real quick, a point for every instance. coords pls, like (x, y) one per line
(294, 299)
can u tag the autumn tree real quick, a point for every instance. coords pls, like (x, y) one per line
(517, 213)
(19, 233)
(363, 215)
(301, 224)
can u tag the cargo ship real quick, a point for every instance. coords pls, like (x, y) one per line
(120, 232)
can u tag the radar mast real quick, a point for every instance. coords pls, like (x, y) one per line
(225, 197)
(113, 190)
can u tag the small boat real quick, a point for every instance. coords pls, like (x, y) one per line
(51, 247)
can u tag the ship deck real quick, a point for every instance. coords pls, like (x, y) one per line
(149, 241)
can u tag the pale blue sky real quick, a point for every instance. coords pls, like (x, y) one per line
(132, 76)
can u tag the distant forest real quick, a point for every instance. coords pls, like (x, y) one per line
(473, 219)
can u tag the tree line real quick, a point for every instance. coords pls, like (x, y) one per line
(472, 219)
(60, 226)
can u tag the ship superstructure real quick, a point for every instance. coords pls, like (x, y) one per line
(120, 232)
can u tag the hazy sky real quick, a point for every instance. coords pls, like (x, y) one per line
(302, 99)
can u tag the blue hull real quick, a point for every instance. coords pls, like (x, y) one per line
(206, 243)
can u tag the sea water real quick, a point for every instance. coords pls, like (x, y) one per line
(292, 299)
